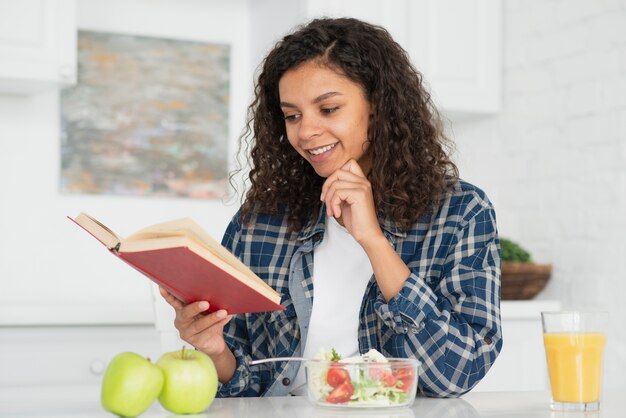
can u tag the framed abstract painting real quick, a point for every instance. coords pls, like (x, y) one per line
(148, 117)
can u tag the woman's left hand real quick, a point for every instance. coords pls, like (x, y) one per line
(348, 195)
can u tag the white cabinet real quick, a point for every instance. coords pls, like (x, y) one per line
(456, 44)
(74, 356)
(521, 364)
(37, 45)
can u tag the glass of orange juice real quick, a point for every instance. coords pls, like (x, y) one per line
(574, 343)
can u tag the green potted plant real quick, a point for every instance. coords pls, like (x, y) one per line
(521, 277)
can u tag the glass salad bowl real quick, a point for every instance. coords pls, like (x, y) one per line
(362, 382)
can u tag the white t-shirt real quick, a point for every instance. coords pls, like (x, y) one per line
(341, 271)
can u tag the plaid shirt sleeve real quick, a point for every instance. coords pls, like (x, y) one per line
(453, 326)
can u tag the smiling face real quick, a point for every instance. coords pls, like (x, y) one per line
(326, 117)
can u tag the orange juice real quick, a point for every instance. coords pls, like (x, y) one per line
(575, 365)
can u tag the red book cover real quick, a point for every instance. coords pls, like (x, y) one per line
(189, 276)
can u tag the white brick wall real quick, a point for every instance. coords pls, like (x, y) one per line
(554, 160)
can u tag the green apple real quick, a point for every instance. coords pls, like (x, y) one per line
(190, 381)
(130, 384)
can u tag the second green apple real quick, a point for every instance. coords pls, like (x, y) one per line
(190, 381)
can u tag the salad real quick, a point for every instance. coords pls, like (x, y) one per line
(370, 380)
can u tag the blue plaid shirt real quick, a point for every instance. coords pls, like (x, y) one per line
(447, 315)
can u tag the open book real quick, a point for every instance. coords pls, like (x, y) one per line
(181, 257)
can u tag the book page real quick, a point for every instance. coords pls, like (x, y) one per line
(98, 230)
(187, 227)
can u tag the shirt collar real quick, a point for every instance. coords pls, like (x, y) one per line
(390, 227)
(314, 227)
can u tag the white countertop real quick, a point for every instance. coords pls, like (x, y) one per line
(472, 405)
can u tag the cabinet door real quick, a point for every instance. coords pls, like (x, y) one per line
(456, 44)
(72, 356)
(37, 45)
(391, 15)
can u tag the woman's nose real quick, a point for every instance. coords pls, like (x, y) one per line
(309, 127)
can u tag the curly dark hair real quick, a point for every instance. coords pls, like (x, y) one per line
(411, 169)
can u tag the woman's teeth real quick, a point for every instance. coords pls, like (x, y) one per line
(322, 150)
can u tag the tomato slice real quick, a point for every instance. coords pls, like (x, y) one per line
(389, 379)
(406, 376)
(342, 393)
(337, 376)
(383, 374)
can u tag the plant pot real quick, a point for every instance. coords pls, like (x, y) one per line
(522, 281)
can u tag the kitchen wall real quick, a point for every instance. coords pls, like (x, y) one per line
(55, 277)
(554, 160)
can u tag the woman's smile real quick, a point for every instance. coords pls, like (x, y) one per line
(321, 150)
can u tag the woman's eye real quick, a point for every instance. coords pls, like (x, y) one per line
(291, 117)
(329, 109)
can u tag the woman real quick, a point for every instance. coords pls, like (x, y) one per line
(357, 217)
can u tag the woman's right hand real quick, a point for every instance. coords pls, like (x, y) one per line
(204, 331)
